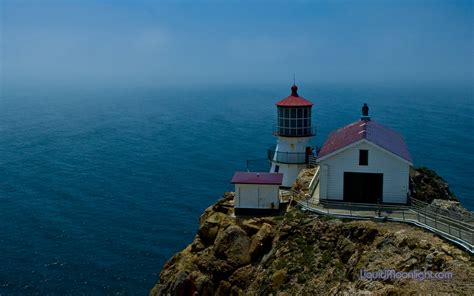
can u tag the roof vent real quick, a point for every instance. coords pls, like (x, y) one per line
(365, 112)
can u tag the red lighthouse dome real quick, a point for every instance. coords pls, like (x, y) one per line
(294, 100)
(294, 116)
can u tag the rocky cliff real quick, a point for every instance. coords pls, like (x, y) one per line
(429, 187)
(304, 254)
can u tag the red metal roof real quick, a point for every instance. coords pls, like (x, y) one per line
(294, 100)
(371, 131)
(257, 178)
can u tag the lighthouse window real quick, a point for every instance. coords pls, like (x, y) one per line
(294, 121)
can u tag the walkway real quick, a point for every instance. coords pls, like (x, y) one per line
(454, 230)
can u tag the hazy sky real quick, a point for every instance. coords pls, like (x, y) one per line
(145, 42)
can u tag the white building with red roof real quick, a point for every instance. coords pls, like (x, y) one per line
(364, 162)
(256, 192)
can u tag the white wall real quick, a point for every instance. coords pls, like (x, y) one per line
(292, 145)
(395, 172)
(256, 196)
(290, 172)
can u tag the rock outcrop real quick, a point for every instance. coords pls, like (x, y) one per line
(429, 187)
(303, 254)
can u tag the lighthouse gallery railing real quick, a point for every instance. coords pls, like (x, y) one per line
(287, 157)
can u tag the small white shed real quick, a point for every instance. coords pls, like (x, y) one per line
(256, 192)
(364, 162)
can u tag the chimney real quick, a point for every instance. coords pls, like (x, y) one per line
(365, 113)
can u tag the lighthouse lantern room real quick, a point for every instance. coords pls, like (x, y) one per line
(294, 131)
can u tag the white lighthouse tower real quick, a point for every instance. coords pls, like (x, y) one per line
(294, 132)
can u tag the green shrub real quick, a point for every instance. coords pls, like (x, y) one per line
(326, 258)
(301, 278)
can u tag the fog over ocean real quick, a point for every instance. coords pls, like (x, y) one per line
(99, 188)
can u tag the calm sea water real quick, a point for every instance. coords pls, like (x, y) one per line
(99, 188)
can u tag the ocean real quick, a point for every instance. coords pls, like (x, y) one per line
(98, 188)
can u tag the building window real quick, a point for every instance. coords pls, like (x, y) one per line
(277, 168)
(363, 157)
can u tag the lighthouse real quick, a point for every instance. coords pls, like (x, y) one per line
(293, 131)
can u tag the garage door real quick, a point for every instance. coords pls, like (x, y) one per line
(363, 187)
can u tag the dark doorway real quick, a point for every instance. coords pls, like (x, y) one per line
(363, 187)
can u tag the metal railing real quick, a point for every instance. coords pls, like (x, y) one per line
(287, 157)
(436, 210)
(258, 165)
(446, 223)
(455, 231)
(312, 160)
(314, 183)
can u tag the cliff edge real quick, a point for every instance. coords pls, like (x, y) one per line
(300, 253)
